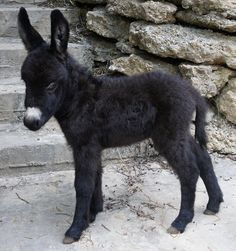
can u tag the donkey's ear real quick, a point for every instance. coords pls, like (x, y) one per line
(30, 37)
(59, 32)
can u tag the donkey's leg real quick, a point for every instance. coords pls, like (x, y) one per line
(87, 162)
(186, 213)
(183, 161)
(96, 205)
(209, 178)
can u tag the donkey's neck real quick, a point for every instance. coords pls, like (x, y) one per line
(80, 87)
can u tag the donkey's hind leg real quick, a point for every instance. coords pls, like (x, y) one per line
(179, 155)
(96, 205)
(209, 178)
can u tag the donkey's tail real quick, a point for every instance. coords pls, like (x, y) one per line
(200, 120)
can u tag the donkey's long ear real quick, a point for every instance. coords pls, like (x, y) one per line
(30, 37)
(59, 33)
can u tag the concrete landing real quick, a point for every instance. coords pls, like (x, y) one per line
(141, 200)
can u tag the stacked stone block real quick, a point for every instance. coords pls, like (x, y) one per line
(193, 38)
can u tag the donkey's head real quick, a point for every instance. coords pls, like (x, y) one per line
(44, 69)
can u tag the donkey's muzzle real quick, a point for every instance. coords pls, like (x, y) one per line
(33, 118)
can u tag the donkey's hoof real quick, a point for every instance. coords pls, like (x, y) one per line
(209, 212)
(173, 230)
(68, 240)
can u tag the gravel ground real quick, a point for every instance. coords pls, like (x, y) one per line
(141, 200)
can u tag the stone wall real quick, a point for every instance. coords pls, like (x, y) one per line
(193, 38)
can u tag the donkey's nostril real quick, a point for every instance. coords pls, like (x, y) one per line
(33, 125)
(37, 122)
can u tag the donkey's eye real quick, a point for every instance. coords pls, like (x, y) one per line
(52, 87)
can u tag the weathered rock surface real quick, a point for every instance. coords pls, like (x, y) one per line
(177, 2)
(103, 50)
(209, 80)
(211, 20)
(107, 25)
(221, 135)
(126, 47)
(91, 1)
(226, 102)
(137, 64)
(196, 45)
(227, 8)
(156, 12)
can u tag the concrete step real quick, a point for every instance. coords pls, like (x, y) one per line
(13, 53)
(22, 1)
(12, 89)
(11, 102)
(39, 16)
(11, 81)
(24, 151)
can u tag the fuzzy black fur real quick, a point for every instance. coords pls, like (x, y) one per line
(97, 113)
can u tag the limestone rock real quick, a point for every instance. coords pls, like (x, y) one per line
(125, 47)
(211, 20)
(135, 64)
(156, 12)
(106, 25)
(226, 8)
(103, 50)
(226, 102)
(177, 2)
(209, 80)
(91, 1)
(221, 136)
(176, 41)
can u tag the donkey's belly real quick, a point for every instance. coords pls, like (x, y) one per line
(123, 134)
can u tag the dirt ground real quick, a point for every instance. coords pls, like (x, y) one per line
(141, 201)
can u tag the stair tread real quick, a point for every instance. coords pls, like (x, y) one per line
(11, 81)
(28, 6)
(12, 88)
(13, 135)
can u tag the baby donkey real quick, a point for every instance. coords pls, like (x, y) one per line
(97, 113)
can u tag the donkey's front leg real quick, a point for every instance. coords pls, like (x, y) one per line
(87, 161)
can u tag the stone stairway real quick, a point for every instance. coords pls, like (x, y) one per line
(20, 149)
(23, 151)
